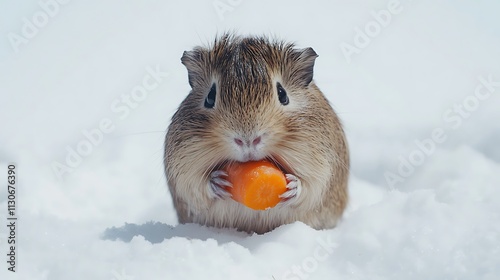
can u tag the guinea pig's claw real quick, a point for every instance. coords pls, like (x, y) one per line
(294, 188)
(217, 185)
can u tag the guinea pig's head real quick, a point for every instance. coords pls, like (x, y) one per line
(250, 99)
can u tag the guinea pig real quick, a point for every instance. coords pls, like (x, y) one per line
(254, 98)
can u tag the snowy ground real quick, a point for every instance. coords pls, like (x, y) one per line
(419, 99)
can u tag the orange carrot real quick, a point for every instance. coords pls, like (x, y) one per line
(256, 184)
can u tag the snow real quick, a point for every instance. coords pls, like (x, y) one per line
(111, 217)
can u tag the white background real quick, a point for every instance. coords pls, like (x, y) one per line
(441, 220)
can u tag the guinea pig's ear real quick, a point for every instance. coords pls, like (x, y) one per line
(193, 62)
(303, 66)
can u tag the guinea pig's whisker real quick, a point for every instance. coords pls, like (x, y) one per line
(213, 164)
(281, 162)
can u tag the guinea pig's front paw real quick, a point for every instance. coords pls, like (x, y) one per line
(294, 188)
(217, 185)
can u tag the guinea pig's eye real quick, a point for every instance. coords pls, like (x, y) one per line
(282, 96)
(210, 99)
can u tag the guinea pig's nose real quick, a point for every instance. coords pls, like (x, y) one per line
(243, 142)
(256, 141)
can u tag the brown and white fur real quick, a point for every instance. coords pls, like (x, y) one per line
(248, 122)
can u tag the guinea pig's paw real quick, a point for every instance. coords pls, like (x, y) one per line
(294, 188)
(217, 185)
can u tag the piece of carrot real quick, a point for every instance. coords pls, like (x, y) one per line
(256, 184)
